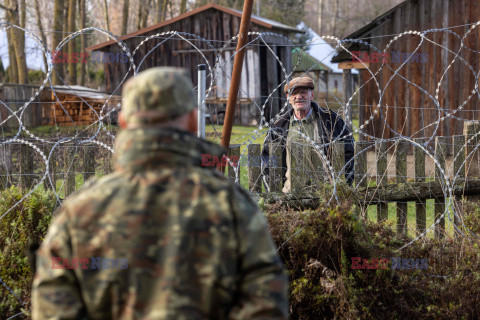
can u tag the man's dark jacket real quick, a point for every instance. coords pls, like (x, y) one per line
(331, 127)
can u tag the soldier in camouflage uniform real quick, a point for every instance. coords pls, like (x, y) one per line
(165, 238)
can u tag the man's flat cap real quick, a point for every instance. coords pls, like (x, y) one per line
(300, 82)
(157, 95)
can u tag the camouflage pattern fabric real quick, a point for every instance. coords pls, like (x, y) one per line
(157, 95)
(196, 244)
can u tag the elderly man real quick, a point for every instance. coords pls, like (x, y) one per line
(305, 119)
(162, 237)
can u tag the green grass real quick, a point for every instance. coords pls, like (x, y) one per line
(243, 136)
(411, 217)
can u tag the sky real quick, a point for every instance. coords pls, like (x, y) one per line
(34, 55)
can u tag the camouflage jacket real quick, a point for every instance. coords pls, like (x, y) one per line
(163, 238)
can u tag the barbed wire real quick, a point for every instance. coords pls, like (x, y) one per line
(46, 150)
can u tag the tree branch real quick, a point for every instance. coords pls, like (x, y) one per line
(6, 8)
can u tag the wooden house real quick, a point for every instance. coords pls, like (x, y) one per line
(408, 106)
(206, 36)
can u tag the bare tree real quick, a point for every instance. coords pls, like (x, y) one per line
(41, 30)
(59, 6)
(125, 10)
(13, 68)
(183, 6)
(16, 15)
(83, 18)
(107, 20)
(72, 54)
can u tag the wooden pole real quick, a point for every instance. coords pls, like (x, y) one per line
(237, 72)
(348, 92)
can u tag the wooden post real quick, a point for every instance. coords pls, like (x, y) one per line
(361, 164)
(88, 153)
(361, 173)
(46, 183)
(440, 154)
(420, 176)
(26, 166)
(348, 91)
(5, 166)
(381, 156)
(275, 170)
(254, 168)
(236, 74)
(458, 172)
(401, 173)
(339, 160)
(53, 170)
(69, 167)
(472, 158)
(234, 156)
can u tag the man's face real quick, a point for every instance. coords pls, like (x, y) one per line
(300, 98)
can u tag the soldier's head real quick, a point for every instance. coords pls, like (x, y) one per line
(159, 97)
(299, 92)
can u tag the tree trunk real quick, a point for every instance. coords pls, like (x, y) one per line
(126, 4)
(13, 69)
(158, 10)
(72, 66)
(107, 19)
(146, 11)
(42, 32)
(164, 9)
(320, 18)
(59, 6)
(183, 6)
(83, 62)
(18, 39)
(335, 19)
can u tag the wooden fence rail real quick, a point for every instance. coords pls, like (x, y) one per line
(373, 185)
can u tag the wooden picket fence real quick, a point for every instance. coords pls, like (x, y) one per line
(400, 188)
(21, 165)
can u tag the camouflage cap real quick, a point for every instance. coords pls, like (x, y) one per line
(299, 82)
(157, 95)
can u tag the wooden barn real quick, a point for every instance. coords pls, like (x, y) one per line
(408, 107)
(262, 73)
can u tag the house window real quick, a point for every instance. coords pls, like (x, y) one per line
(336, 84)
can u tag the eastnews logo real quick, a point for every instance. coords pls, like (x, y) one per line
(92, 263)
(398, 263)
(94, 57)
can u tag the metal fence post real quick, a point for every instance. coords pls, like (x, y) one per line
(202, 79)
